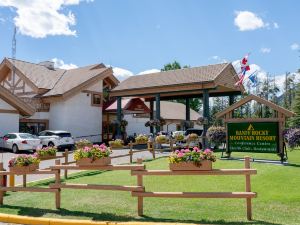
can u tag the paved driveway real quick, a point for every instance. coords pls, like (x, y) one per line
(6, 156)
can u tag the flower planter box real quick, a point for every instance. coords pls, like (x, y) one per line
(24, 169)
(45, 157)
(98, 162)
(116, 146)
(141, 142)
(205, 165)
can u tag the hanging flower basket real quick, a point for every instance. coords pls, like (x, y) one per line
(196, 159)
(192, 137)
(23, 164)
(141, 139)
(118, 143)
(161, 139)
(179, 137)
(97, 155)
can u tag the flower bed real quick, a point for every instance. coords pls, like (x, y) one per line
(83, 143)
(118, 143)
(95, 155)
(23, 164)
(195, 159)
(141, 139)
(161, 139)
(46, 153)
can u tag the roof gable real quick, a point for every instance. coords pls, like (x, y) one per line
(249, 98)
(17, 103)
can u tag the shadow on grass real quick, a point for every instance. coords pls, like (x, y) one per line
(37, 212)
(293, 165)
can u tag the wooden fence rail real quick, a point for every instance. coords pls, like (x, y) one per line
(138, 190)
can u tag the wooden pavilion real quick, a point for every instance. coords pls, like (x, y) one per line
(197, 82)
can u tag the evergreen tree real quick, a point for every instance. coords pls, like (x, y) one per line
(295, 121)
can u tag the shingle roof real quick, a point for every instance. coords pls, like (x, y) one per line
(39, 75)
(173, 77)
(59, 81)
(74, 77)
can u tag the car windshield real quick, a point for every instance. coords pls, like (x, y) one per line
(27, 136)
(198, 132)
(62, 135)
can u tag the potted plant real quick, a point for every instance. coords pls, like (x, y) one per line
(118, 143)
(161, 139)
(193, 137)
(196, 159)
(97, 155)
(23, 164)
(46, 152)
(83, 143)
(216, 135)
(141, 139)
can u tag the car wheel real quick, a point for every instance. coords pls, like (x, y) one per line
(50, 144)
(15, 149)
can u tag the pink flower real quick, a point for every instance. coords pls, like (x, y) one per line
(186, 150)
(86, 149)
(196, 149)
(95, 146)
(207, 151)
(180, 154)
(177, 151)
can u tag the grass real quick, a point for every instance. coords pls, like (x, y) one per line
(278, 200)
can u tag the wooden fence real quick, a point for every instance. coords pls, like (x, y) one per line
(138, 190)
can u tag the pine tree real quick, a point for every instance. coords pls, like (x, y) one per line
(295, 121)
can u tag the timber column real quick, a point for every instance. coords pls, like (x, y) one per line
(157, 110)
(119, 117)
(187, 110)
(231, 102)
(205, 117)
(151, 116)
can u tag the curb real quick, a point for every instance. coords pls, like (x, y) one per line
(7, 218)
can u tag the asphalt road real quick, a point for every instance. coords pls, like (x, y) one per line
(6, 156)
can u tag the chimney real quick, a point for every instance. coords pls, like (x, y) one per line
(48, 64)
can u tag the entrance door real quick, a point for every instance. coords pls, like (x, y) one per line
(33, 127)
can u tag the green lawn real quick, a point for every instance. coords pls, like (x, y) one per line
(278, 200)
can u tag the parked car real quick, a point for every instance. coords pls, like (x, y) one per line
(199, 132)
(59, 139)
(20, 142)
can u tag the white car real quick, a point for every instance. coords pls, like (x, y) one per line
(20, 142)
(59, 139)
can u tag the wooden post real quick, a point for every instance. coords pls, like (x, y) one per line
(1, 184)
(24, 180)
(130, 151)
(140, 183)
(171, 144)
(11, 180)
(57, 181)
(248, 189)
(66, 162)
(157, 111)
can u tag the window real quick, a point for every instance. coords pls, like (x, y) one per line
(96, 100)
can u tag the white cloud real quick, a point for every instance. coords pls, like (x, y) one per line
(265, 50)
(2, 20)
(246, 20)
(59, 63)
(295, 46)
(121, 73)
(149, 71)
(218, 59)
(275, 25)
(40, 18)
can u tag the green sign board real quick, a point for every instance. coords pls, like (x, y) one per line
(253, 137)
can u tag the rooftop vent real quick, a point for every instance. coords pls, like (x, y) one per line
(48, 64)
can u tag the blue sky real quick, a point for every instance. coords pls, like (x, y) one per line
(139, 35)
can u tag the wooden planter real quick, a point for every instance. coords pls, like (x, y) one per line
(116, 146)
(205, 165)
(23, 169)
(45, 157)
(98, 162)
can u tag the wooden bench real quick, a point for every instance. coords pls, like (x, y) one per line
(248, 194)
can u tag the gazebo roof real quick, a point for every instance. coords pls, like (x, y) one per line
(249, 98)
(219, 78)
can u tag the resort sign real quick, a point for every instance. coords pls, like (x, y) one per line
(253, 137)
